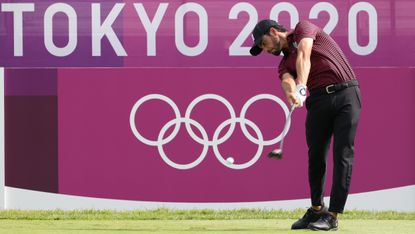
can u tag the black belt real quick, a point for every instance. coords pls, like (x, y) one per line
(334, 87)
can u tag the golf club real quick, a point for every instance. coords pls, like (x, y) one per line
(277, 153)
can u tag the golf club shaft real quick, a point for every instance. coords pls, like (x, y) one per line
(288, 120)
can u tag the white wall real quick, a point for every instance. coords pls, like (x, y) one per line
(403, 200)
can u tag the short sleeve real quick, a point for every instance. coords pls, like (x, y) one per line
(305, 29)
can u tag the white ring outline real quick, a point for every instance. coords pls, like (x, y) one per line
(245, 109)
(167, 160)
(134, 112)
(243, 165)
(227, 105)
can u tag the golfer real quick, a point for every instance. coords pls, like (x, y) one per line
(314, 62)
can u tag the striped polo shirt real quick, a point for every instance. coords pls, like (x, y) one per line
(328, 63)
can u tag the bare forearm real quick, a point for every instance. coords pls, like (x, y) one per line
(288, 85)
(303, 63)
(303, 66)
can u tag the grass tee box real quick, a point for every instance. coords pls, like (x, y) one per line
(192, 221)
(169, 214)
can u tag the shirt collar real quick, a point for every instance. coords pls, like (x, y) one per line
(291, 43)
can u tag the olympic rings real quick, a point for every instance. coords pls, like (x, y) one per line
(134, 110)
(216, 141)
(167, 159)
(220, 99)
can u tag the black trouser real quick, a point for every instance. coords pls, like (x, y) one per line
(334, 114)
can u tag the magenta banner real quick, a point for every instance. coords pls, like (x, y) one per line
(145, 100)
(121, 133)
(193, 34)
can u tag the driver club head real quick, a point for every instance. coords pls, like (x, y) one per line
(275, 154)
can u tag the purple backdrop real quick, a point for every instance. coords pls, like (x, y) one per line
(370, 32)
(75, 125)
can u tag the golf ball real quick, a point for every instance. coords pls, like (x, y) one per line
(230, 160)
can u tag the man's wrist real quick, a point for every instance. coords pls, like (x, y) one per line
(301, 89)
(301, 93)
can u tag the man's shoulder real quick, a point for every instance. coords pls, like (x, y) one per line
(305, 29)
(305, 24)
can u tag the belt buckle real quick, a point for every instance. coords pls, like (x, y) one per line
(328, 89)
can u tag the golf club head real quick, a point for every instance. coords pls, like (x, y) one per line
(275, 154)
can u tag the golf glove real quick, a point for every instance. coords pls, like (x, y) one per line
(301, 93)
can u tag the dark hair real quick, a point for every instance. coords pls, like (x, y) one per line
(279, 28)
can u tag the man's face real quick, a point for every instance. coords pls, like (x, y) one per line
(271, 43)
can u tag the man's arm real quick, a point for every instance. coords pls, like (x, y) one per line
(303, 66)
(288, 86)
(303, 63)
(296, 94)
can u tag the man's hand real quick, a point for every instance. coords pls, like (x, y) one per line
(292, 99)
(298, 96)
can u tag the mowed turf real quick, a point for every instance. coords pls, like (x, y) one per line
(246, 226)
(205, 221)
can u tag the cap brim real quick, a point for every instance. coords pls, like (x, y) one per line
(255, 50)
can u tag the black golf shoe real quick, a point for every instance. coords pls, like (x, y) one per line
(326, 223)
(310, 216)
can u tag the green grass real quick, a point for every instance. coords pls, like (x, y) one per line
(244, 226)
(169, 214)
(193, 221)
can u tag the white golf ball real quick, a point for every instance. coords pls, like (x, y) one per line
(230, 160)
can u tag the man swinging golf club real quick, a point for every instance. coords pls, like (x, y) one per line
(313, 60)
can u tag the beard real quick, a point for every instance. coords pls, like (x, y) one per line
(276, 52)
(277, 47)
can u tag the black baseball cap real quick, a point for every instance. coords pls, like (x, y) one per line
(260, 30)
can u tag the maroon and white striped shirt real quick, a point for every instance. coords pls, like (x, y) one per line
(328, 63)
